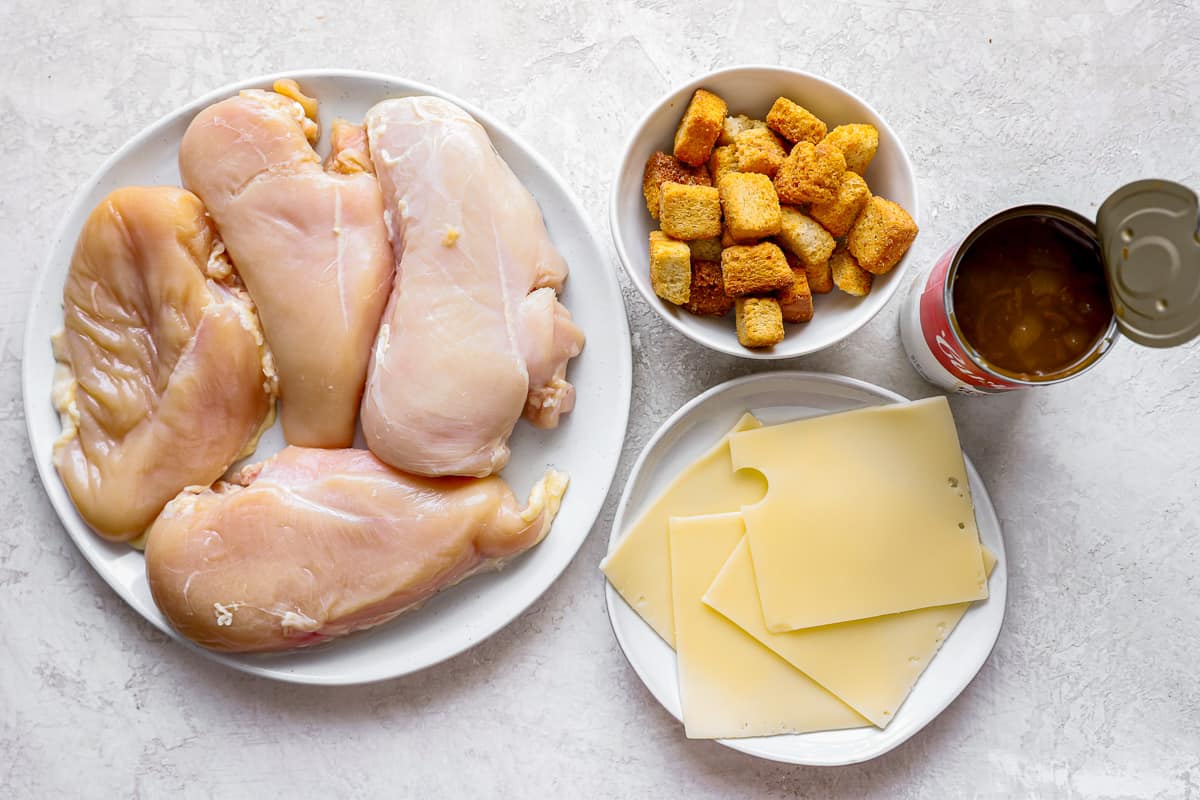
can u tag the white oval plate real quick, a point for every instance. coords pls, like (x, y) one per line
(776, 397)
(751, 90)
(586, 445)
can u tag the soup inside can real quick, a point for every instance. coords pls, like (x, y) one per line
(1029, 295)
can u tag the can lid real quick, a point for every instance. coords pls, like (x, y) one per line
(1151, 244)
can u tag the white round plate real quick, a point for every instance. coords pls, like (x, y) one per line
(751, 90)
(776, 397)
(586, 445)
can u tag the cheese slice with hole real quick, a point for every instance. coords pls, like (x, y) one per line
(867, 512)
(870, 664)
(639, 567)
(730, 685)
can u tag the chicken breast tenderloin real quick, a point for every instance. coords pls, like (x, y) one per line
(473, 335)
(314, 544)
(163, 378)
(308, 240)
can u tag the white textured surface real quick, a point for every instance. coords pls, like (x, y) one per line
(1092, 690)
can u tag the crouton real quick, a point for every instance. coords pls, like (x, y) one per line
(662, 167)
(810, 174)
(708, 290)
(795, 302)
(756, 269)
(858, 144)
(813, 250)
(735, 125)
(804, 237)
(795, 123)
(750, 205)
(839, 214)
(881, 235)
(705, 249)
(727, 239)
(818, 275)
(689, 212)
(759, 321)
(699, 128)
(758, 150)
(848, 275)
(670, 268)
(723, 161)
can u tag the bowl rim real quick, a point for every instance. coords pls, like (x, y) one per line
(615, 196)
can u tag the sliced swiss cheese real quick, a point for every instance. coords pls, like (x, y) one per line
(870, 664)
(729, 684)
(639, 567)
(867, 513)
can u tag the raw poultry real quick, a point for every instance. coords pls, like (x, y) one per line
(314, 544)
(163, 380)
(473, 335)
(309, 242)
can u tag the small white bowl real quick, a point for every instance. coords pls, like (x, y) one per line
(751, 90)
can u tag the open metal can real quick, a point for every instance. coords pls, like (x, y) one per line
(1146, 236)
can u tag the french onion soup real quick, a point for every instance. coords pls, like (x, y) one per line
(1030, 297)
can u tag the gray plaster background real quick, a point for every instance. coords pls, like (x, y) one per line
(1092, 690)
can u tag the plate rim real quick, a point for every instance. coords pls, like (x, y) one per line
(244, 662)
(651, 300)
(612, 598)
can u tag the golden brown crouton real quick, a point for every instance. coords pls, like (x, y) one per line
(795, 302)
(670, 268)
(839, 214)
(750, 205)
(759, 321)
(727, 239)
(881, 235)
(723, 161)
(794, 122)
(758, 150)
(804, 236)
(708, 290)
(699, 128)
(810, 174)
(662, 167)
(848, 275)
(757, 269)
(819, 276)
(689, 212)
(705, 249)
(735, 125)
(858, 144)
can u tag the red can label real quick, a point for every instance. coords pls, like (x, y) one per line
(939, 336)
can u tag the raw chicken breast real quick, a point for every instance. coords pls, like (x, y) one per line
(163, 379)
(308, 240)
(473, 334)
(313, 544)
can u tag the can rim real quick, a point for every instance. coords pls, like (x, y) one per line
(1103, 344)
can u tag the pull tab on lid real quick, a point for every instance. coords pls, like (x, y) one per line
(1151, 244)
